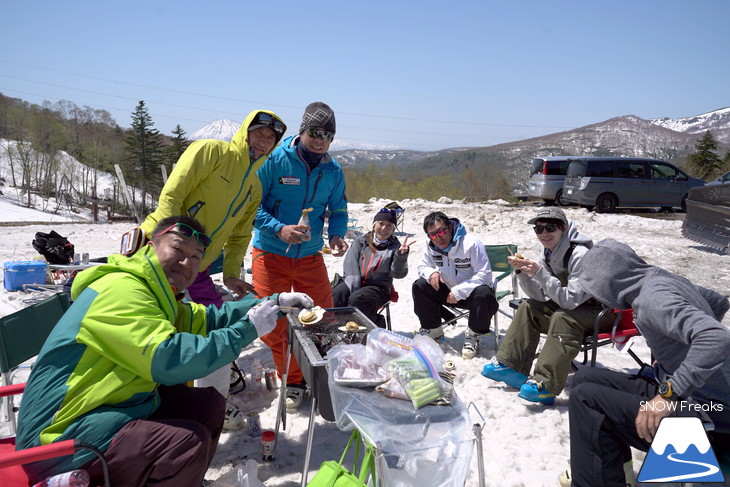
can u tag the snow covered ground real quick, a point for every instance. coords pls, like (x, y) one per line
(524, 444)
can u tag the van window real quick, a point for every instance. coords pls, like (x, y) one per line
(665, 172)
(636, 170)
(554, 168)
(599, 169)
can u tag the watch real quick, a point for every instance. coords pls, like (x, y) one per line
(666, 391)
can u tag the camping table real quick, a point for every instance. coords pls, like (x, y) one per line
(427, 446)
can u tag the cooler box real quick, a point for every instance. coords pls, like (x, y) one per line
(15, 274)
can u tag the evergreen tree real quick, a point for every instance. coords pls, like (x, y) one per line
(174, 151)
(704, 163)
(144, 153)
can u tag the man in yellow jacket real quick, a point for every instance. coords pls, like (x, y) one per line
(215, 182)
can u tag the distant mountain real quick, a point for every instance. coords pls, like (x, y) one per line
(627, 135)
(717, 122)
(218, 129)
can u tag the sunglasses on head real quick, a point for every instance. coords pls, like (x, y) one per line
(549, 228)
(270, 121)
(186, 231)
(387, 210)
(437, 233)
(320, 133)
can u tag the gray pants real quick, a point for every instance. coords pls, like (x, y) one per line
(565, 330)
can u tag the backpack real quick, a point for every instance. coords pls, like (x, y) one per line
(54, 247)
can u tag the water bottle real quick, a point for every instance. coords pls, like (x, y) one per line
(74, 478)
(257, 375)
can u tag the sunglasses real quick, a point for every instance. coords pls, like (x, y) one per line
(437, 233)
(270, 121)
(387, 210)
(321, 134)
(549, 228)
(186, 231)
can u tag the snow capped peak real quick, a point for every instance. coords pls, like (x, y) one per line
(680, 433)
(220, 129)
(717, 119)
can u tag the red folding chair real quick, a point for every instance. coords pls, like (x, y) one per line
(11, 461)
(623, 330)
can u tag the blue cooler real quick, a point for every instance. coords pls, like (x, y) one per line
(23, 272)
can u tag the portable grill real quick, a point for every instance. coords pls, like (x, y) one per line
(309, 344)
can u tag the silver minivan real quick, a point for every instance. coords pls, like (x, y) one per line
(547, 175)
(610, 182)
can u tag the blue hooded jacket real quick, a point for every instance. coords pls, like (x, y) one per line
(289, 187)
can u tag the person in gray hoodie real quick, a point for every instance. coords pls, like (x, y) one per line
(609, 411)
(557, 305)
(371, 263)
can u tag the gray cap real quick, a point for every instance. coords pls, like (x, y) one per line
(549, 213)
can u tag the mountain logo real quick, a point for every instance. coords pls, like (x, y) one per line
(680, 452)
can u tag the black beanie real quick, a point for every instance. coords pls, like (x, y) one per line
(319, 115)
(387, 215)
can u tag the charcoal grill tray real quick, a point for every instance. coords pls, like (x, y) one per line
(308, 349)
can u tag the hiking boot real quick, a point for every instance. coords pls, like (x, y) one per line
(294, 396)
(471, 344)
(501, 373)
(435, 333)
(534, 392)
(565, 479)
(234, 419)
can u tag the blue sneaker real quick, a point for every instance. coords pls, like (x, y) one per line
(534, 392)
(499, 372)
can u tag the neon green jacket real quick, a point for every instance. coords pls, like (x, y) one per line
(123, 336)
(215, 182)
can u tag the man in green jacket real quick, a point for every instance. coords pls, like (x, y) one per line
(112, 373)
(215, 182)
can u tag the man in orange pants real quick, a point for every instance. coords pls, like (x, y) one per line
(299, 175)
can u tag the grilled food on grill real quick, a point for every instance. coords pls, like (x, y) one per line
(311, 316)
(352, 326)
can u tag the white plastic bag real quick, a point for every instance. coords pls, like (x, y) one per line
(243, 476)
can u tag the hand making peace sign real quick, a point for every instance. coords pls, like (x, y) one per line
(405, 246)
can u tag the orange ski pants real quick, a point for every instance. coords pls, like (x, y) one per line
(274, 273)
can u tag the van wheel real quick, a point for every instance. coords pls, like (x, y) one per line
(606, 203)
(559, 200)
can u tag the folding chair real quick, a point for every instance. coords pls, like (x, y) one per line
(386, 308)
(22, 335)
(399, 214)
(12, 461)
(623, 330)
(497, 255)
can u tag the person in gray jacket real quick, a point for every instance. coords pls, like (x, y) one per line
(557, 305)
(371, 263)
(609, 411)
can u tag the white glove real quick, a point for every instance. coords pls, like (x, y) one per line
(295, 300)
(263, 317)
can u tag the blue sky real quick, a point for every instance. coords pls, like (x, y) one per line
(421, 75)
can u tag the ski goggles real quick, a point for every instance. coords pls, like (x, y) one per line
(437, 233)
(270, 121)
(549, 228)
(186, 231)
(320, 133)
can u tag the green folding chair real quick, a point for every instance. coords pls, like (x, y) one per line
(22, 334)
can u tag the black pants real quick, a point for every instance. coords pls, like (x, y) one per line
(602, 413)
(427, 304)
(367, 299)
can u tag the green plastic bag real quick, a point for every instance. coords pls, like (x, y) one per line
(333, 474)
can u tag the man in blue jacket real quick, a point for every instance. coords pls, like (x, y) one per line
(298, 176)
